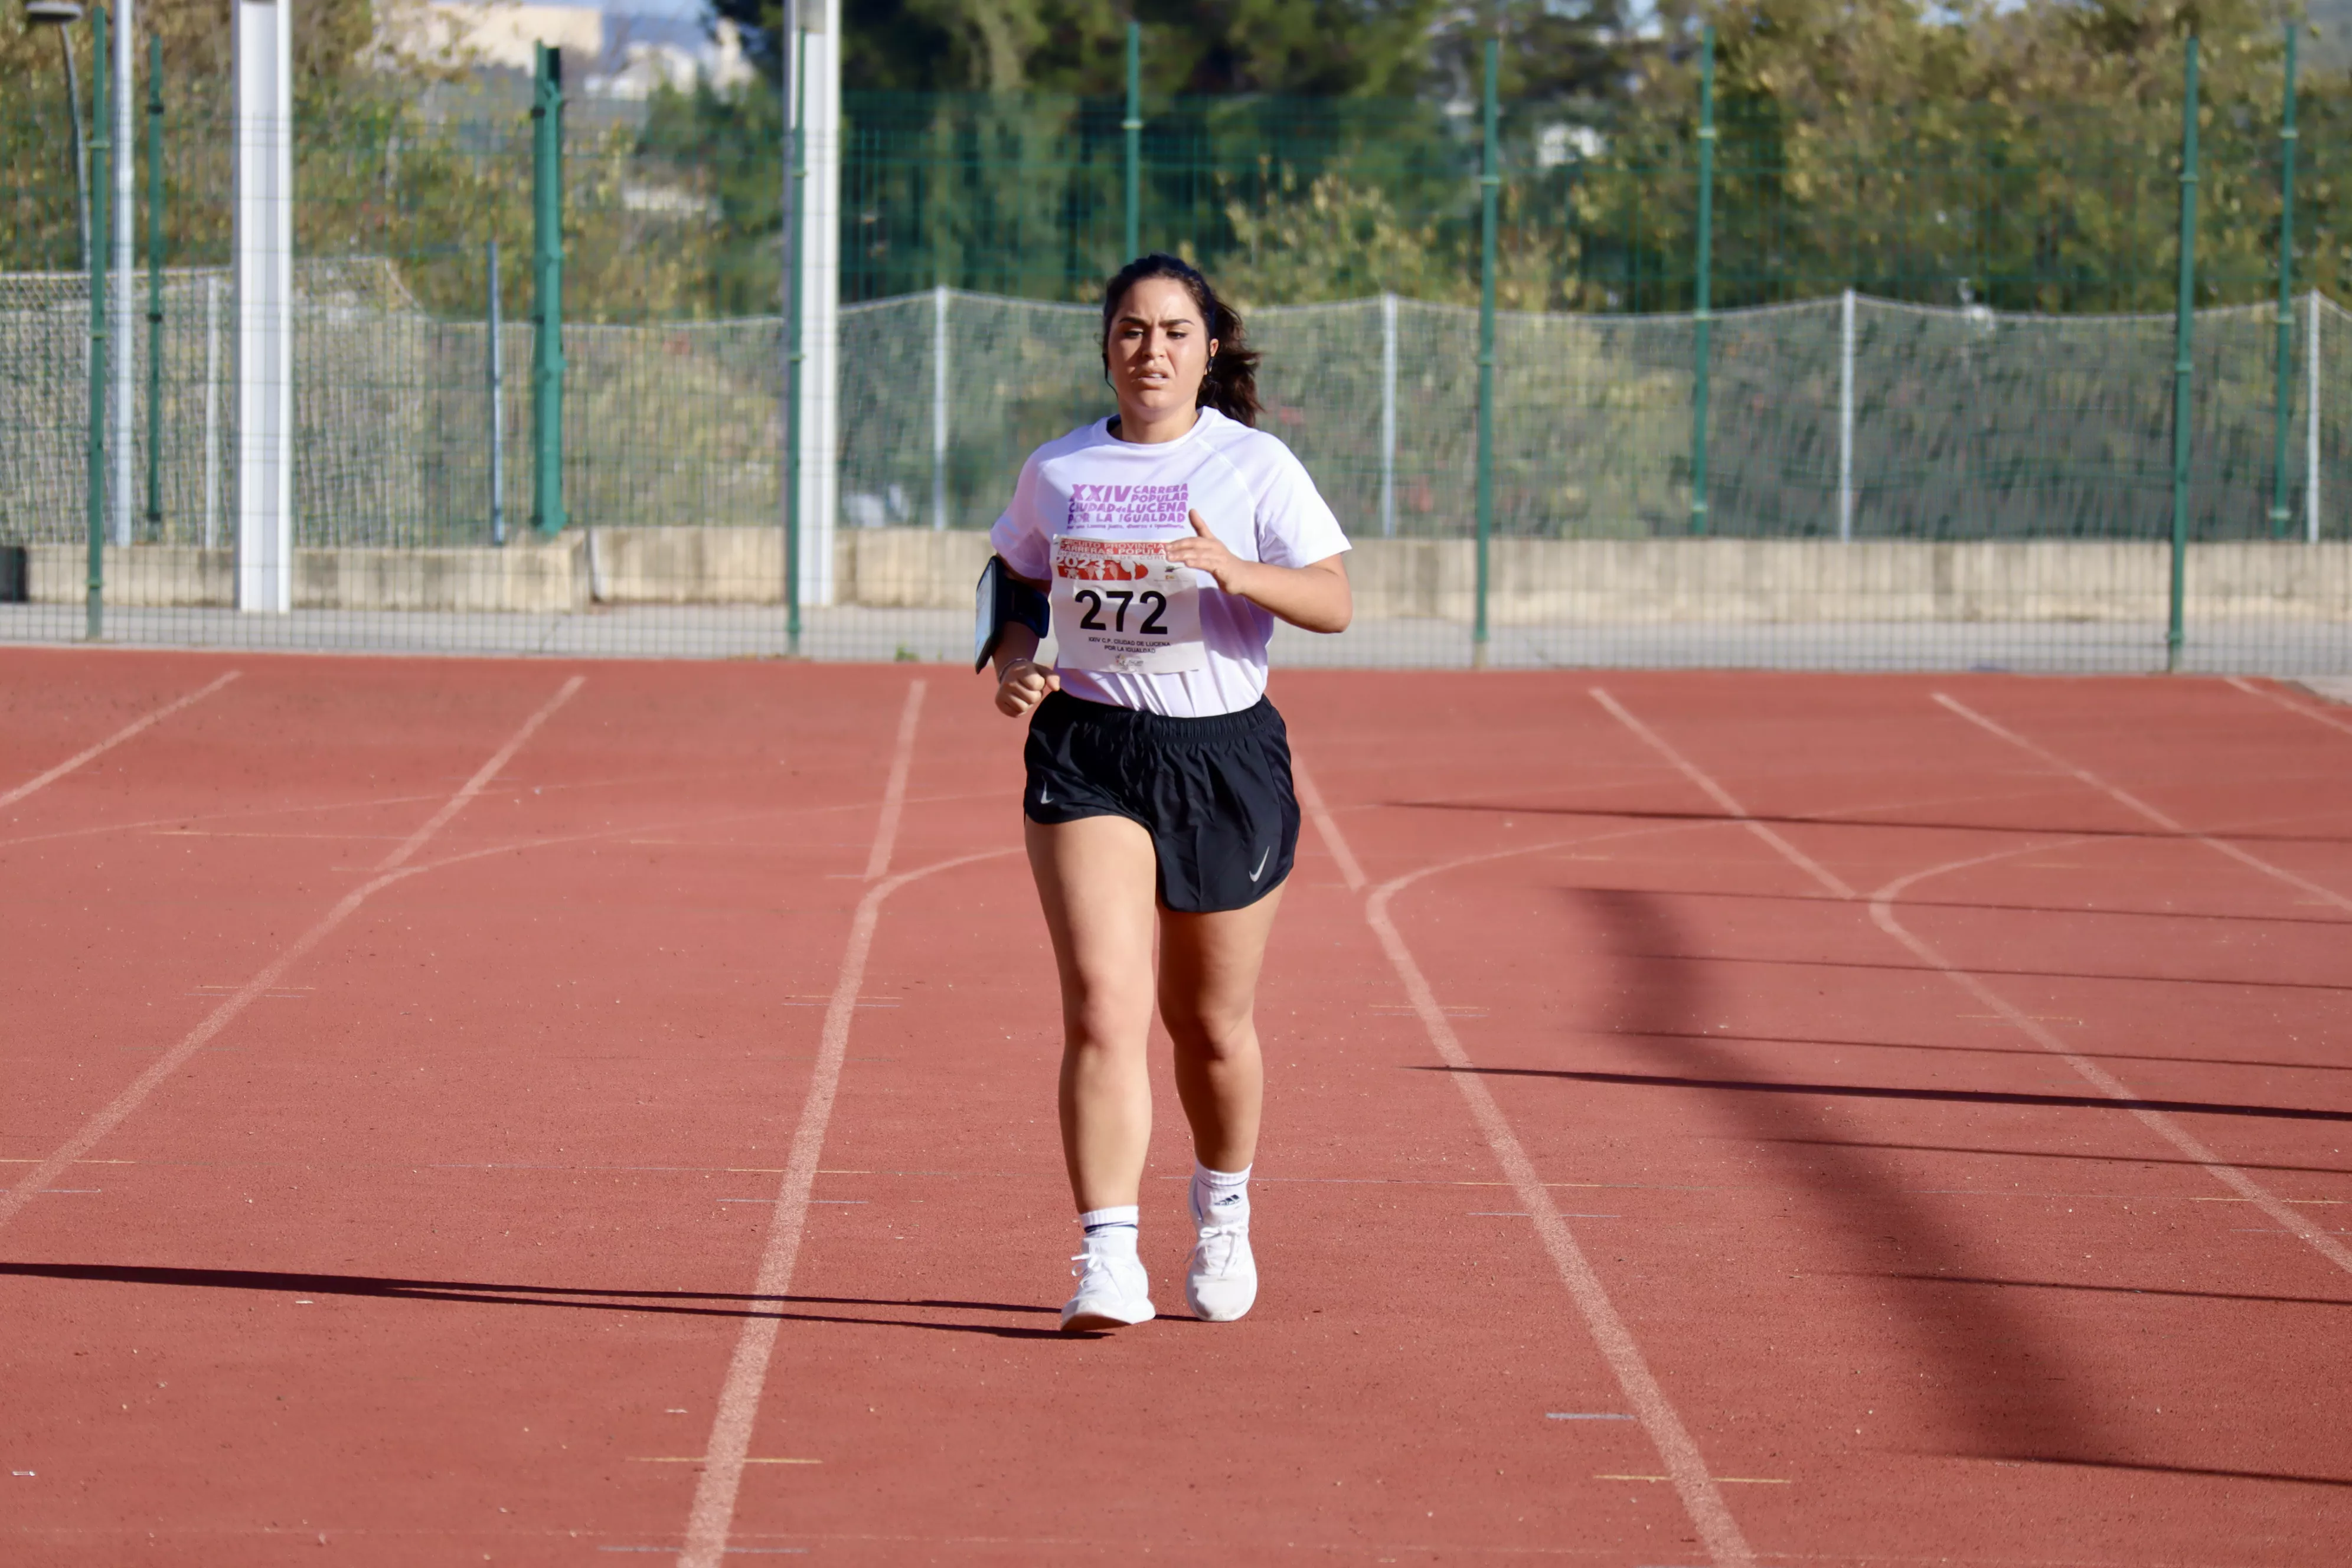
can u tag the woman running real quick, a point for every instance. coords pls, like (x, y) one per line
(1166, 539)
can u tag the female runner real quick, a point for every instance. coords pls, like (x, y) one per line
(1159, 775)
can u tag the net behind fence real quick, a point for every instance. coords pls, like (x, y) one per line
(1889, 485)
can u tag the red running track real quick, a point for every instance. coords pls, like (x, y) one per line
(533, 1113)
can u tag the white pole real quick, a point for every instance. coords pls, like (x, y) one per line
(820, 299)
(265, 307)
(1845, 417)
(128, 319)
(1388, 415)
(212, 411)
(2311, 429)
(940, 406)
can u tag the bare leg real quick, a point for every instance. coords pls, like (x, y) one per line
(1097, 879)
(1208, 988)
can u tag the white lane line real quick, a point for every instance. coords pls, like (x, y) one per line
(482, 776)
(1700, 1498)
(126, 732)
(2125, 798)
(1722, 797)
(2106, 1082)
(894, 793)
(2290, 704)
(112, 1115)
(2162, 1124)
(1317, 813)
(712, 1515)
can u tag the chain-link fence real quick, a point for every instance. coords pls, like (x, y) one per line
(1894, 485)
(1904, 476)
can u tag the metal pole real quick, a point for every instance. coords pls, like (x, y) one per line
(101, 148)
(1700, 317)
(2311, 428)
(1845, 417)
(122, 495)
(154, 286)
(2279, 513)
(940, 406)
(1490, 179)
(1388, 415)
(1133, 126)
(80, 154)
(2183, 329)
(547, 269)
(212, 412)
(795, 199)
(496, 320)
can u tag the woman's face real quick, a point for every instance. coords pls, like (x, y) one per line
(1158, 349)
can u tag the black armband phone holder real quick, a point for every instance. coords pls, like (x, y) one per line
(1001, 600)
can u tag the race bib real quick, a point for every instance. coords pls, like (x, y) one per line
(1121, 606)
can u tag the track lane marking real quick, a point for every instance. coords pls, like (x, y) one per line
(2290, 704)
(113, 1113)
(1687, 1468)
(711, 1516)
(894, 792)
(2125, 798)
(482, 776)
(1881, 906)
(154, 716)
(1350, 871)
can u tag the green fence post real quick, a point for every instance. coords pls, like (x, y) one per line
(155, 286)
(1700, 316)
(101, 243)
(1490, 179)
(2285, 399)
(796, 193)
(547, 277)
(2183, 328)
(1133, 126)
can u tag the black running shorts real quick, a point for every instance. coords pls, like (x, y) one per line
(1214, 794)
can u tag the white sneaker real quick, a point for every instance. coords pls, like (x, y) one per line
(1113, 1292)
(1221, 1283)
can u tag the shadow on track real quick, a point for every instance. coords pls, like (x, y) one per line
(1652, 814)
(1876, 1091)
(2000, 1376)
(2114, 1289)
(2060, 1154)
(576, 1298)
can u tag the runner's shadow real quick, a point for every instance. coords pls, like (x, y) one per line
(573, 1298)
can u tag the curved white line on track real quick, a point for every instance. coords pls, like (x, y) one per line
(2106, 1082)
(125, 733)
(2125, 798)
(1685, 1466)
(115, 1110)
(712, 1515)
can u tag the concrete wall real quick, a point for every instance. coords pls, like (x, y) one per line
(1594, 582)
(524, 577)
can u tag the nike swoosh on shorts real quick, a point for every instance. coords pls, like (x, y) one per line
(1261, 863)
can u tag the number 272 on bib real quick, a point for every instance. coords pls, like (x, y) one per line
(1120, 605)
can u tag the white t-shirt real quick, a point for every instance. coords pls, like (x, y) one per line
(1247, 485)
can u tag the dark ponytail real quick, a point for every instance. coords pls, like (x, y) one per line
(1230, 385)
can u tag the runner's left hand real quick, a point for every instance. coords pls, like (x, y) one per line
(1206, 552)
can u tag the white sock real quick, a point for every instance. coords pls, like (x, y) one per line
(1112, 1229)
(1220, 1197)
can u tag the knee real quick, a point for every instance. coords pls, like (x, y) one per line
(1212, 1035)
